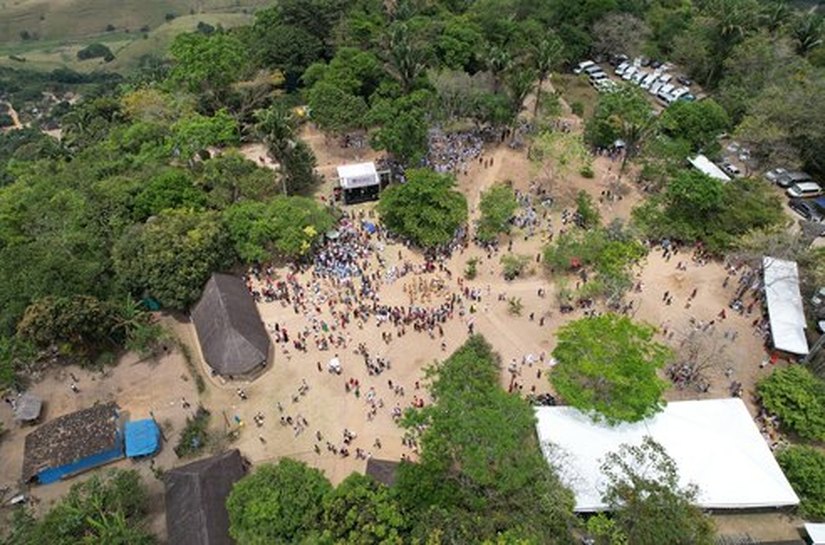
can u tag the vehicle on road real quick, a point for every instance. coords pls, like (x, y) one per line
(804, 190)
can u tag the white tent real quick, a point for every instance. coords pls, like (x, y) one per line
(816, 532)
(706, 166)
(714, 443)
(357, 175)
(785, 305)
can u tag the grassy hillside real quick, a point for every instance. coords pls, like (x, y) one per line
(77, 19)
(127, 47)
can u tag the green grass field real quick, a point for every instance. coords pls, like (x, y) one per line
(128, 48)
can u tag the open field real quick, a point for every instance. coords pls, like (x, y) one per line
(128, 48)
(80, 19)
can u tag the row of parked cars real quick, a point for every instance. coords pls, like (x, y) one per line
(806, 196)
(653, 78)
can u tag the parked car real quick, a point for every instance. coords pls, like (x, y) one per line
(787, 179)
(649, 80)
(806, 208)
(593, 69)
(582, 66)
(629, 73)
(622, 67)
(664, 91)
(804, 190)
(731, 169)
(774, 174)
(684, 81)
(655, 87)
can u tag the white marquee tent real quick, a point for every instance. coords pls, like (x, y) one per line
(706, 166)
(714, 442)
(357, 175)
(816, 532)
(785, 310)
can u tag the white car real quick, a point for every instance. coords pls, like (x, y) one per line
(629, 73)
(804, 190)
(665, 78)
(598, 77)
(649, 80)
(622, 67)
(655, 87)
(583, 66)
(638, 77)
(664, 91)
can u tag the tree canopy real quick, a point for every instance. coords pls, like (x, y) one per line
(607, 367)
(797, 397)
(426, 209)
(498, 205)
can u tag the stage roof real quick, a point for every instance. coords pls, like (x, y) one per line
(785, 305)
(714, 442)
(358, 175)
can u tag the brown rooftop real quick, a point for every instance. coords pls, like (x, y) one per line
(71, 437)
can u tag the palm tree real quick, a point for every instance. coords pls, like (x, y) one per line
(520, 81)
(406, 60)
(774, 15)
(807, 33)
(498, 60)
(545, 56)
(276, 126)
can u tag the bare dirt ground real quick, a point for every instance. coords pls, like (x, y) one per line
(329, 408)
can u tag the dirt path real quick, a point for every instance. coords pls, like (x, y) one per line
(14, 117)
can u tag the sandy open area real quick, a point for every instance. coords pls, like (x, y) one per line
(327, 406)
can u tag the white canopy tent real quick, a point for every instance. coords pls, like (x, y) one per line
(714, 443)
(706, 166)
(357, 175)
(785, 310)
(816, 532)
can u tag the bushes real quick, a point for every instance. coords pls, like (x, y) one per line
(498, 204)
(805, 469)
(797, 397)
(94, 51)
(195, 435)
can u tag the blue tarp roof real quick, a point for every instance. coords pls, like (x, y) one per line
(142, 438)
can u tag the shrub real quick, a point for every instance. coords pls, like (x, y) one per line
(514, 265)
(805, 469)
(195, 435)
(471, 271)
(577, 108)
(587, 172)
(797, 397)
(96, 50)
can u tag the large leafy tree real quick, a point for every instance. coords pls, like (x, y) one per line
(110, 509)
(278, 504)
(207, 64)
(336, 110)
(402, 126)
(286, 226)
(498, 204)
(805, 468)
(624, 114)
(607, 367)
(231, 177)
(426, 209)
(797, 397)
(698, 122)
(648, 505)
(194, 133)
(172, 188)
(545, 56)
(171, 257)
(362, 510)
(481, 472)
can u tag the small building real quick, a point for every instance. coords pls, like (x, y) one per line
(359, 182)
(142, 438)
(72, 444)
(232, 337)
(383, 471)
(196, 499)
(708, 167)
(27, 408)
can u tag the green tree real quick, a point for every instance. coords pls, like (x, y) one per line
(698, 122)
(797, 397)
(545, 56)
(426, 209)
(289, 48)
(361, 511)
(804, 467)
(207, 64)
(287, 226)
(647, 502)
(172, 256)
(298, 168)
(406, 59)
(498, 205)
(77, 326)
(110, 510)
(587, 212)
(336, 110)
(621, 115)
(194, 133)
(171, 188)
(481, 472)
(230, 177)
(402, 127)
(278, 503)
(607, 368)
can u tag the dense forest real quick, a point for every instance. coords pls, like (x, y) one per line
(145, 195)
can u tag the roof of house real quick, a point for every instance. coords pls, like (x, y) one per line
(142, 437)
(232, 336)
(196, 499)
(71, 437)
(27, 407)
(382, 471)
